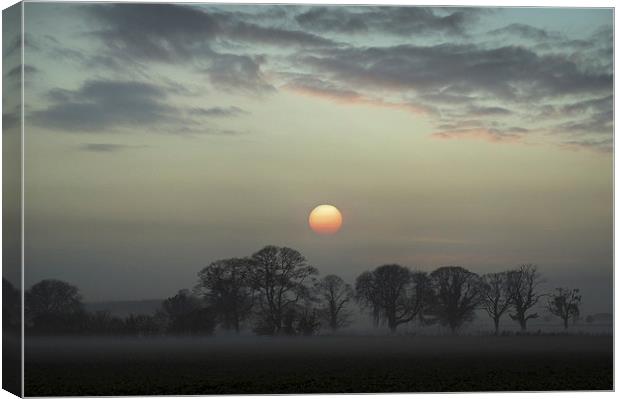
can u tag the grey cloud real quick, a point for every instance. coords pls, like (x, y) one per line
(15, 44)
(510, 72)
(526, 32)
(218, 111)
(275, 36)
(10, 120)
(106, 147)
(16, 72)
(493, 135)
(591, 116)
(320, 88)
(446, 98)
(161, 32)
(238, 73)
(601, 104)
(487, 111)
(402, 21)
(603, 146)
(101, 104)
(172, 33)
(600, 122)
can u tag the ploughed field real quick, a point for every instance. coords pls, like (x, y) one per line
(217, 365)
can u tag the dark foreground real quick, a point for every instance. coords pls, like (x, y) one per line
(91, 366)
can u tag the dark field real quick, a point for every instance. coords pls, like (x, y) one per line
(90, 366)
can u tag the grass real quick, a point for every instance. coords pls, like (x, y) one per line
(91, 366)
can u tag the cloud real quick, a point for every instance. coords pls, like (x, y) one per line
(14, 44)
(587, 117)
(510, 72)
(232, 72)
(601, 146)
(601, 104)
(428, 61)
(17, 71)
(485, 134)
(104, 104)
(526, 32)
(252, 33)
(106, 147)
(317, 88)
(157, 32)
(403, 21)
(600, 122)
(10, 120)
(218, 111)
(487, 111)
(174, 33)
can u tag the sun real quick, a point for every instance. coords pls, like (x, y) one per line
(325, 219)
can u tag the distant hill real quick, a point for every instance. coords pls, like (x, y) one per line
(125, 308)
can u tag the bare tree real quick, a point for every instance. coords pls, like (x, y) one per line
(456, 295)
(335, 294)
(393, 293)
(281, 277)
(523, 284)
(565, 304)
(494, 297)
(225, 286)
(54, 306)
(187, 314)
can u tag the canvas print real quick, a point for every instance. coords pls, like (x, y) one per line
(210, 198)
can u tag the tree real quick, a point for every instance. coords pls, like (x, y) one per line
(104, 323)
(308, 321)
(187, 315)
(494, 297)
(565, 304)
(522, 286)
(280, 278)
(393, 293)
(11, 307)
(225, 286)
(334, 294)
(456, 296)
(143, 325)
(54, 306)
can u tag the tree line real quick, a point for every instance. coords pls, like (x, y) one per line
(275, 291)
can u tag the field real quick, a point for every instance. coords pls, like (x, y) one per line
(104, 366)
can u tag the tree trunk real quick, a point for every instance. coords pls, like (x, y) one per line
(523, 323)
(566, 323)
(496, 322)
(392, 321)
(392, 325)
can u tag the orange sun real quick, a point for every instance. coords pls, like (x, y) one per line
(325, 219)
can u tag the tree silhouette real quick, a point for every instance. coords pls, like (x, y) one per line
(522, 290)
(11, 308)
(494, 298)
(54, 306)
(456, 296)
(334, 294)
(308, 321)
(565, 304)
(104, 323)
(280, 277)
(225, 286)
(393, 293)
(187, 315)
(147, 325)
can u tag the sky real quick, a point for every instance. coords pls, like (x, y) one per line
(160, 138)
